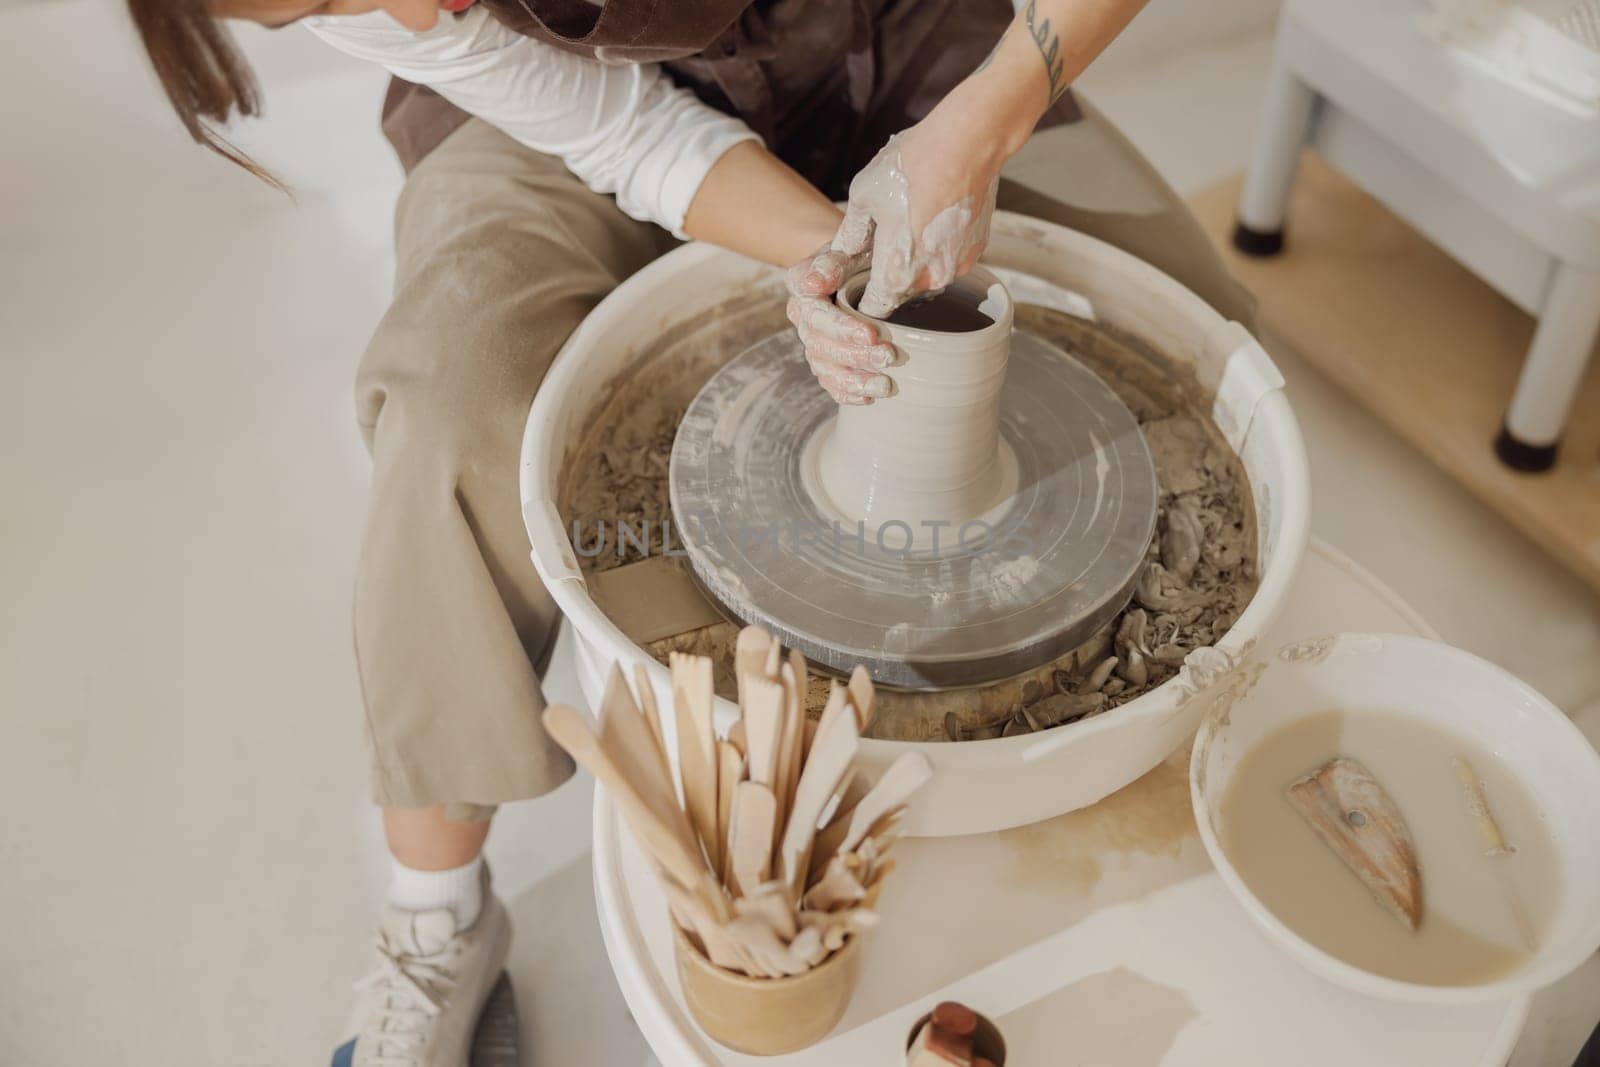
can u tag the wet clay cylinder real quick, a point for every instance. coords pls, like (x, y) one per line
(930, 456)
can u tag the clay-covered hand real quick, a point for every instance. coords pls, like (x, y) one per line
(922, 208)
(846, 354)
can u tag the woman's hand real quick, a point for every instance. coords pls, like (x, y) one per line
(921, 209)
(919, 216)
(753, 203)
(846, 354)
(922, 206)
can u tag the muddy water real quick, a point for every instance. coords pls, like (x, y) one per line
(953, 311)
(1482, 915)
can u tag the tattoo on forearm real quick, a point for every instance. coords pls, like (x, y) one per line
(1049, 44)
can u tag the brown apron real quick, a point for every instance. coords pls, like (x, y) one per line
(823, 82)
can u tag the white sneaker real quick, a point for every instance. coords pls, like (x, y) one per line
(420, 1005)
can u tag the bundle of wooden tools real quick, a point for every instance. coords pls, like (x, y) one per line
(771, 844)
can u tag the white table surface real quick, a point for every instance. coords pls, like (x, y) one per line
(1102, 937)
(1539, 145)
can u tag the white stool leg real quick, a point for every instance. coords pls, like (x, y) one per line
(1285, 126)
(1569, 322)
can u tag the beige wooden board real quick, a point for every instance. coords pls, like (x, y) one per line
(652, 599)
(1424, 344)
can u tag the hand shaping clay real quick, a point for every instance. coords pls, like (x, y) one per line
(929, 456)
(878, 217)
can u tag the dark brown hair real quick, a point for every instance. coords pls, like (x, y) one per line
(201, 70)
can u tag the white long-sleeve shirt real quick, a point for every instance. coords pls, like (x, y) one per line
(623, 129)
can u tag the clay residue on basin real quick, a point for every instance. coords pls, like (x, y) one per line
(1200, 574)
(1151, 817)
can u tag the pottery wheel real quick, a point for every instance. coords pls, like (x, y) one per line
(1032, 581)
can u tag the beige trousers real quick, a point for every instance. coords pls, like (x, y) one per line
(501, 253)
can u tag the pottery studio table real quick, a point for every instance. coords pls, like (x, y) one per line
(1102, 937)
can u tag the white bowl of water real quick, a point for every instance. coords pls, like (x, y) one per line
(1450, 738)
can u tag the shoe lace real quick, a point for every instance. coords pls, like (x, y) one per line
(413, 990)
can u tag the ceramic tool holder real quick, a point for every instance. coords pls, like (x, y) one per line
(767, 1016)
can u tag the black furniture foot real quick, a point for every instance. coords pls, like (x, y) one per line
(1257, 242)
(1521, 456)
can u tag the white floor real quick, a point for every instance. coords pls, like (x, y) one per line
(188, 867)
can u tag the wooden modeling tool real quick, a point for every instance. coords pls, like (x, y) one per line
(625, 736)
(842, 925)
(769, 903)
(782, 784)
(761, 943)
(1355, 817)
(692, 698)
(868, 858)
(652, 713)
(730, 771)
(763, 711)
(838, 700)
(861, 695)
(836, 926)
(905, 776)
(808, 945)
(1495, 849)
(883, 833)
(750, 657)
(721, 948)
(750, 831)
(791, 744)
(837, 888)
(797, 664)
(830, 759)
(1494, 842)
(650, 826)
(852, 787)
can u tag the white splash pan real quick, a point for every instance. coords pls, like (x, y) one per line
(978, 786)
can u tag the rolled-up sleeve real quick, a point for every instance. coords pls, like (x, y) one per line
(622, 129)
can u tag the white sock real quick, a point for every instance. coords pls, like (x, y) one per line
(460, 889)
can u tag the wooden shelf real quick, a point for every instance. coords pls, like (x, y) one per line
(1423, 343)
